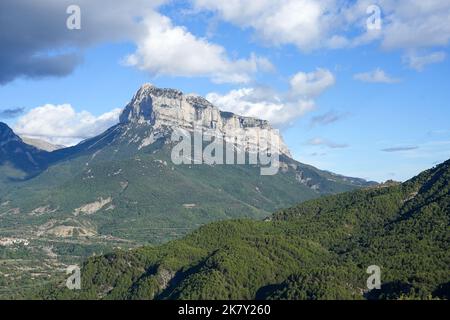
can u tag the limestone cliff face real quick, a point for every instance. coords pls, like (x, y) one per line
(164, 108)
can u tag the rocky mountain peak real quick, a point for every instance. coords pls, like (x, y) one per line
(162, 108)
(150, 103)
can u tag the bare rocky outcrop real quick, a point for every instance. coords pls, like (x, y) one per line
(164, 276)
(70, 231)
(93, 207)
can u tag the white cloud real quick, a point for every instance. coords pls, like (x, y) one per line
(326, 143)
(418, 62)
(40, 45)
(247, 102)
(61, 124)
(301, 22)
(311, 84)
(376, 76)
(279, 108)
(172, 50)
(415, 23)
(314, 24)
(327, 118)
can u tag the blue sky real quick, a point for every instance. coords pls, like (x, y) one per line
(371, 105)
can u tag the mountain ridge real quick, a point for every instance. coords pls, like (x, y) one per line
(158, 111)
(41, 144)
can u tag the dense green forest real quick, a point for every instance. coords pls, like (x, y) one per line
(317, 250)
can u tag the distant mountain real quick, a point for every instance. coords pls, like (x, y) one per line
(41, 144)
(123, 183)
(18, 159)
(317, 250)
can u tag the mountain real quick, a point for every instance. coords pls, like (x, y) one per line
(123, 182)
(121, 189)
(316, 250)
(18, 159)
(41, 144)
(166, 109)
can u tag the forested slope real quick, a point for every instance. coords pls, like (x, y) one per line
(317, 250)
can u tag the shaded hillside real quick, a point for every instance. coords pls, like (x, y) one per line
(18, 159)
